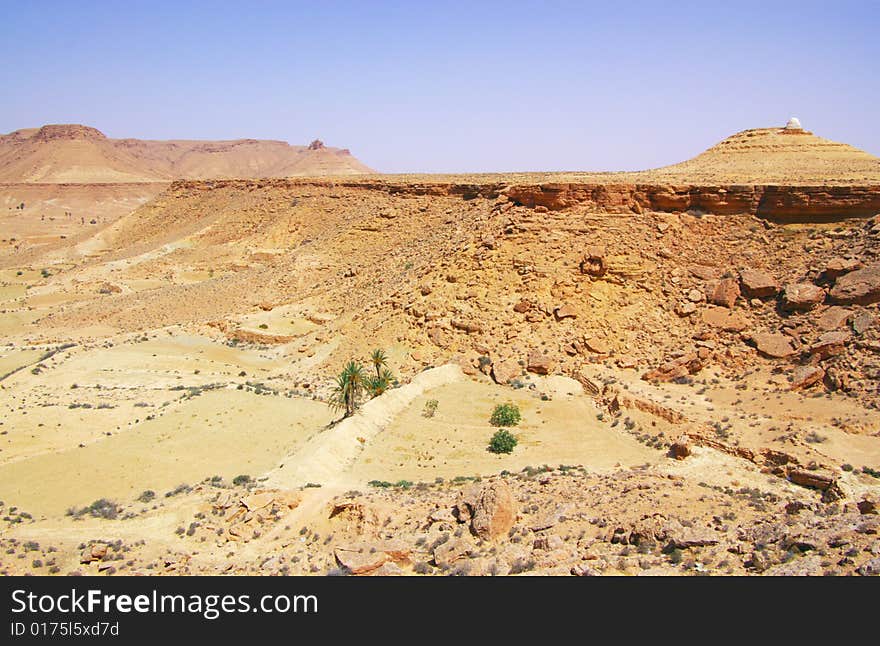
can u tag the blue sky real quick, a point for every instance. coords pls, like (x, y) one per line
(449, 86)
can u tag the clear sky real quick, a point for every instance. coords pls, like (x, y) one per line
(449, 86)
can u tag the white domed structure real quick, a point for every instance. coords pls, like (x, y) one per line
(794, 124)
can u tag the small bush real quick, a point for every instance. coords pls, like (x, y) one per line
(101, 508)
(430, 408)
(241, 480)
(502, 442)
(382, 484)
(505, 415)
(179, 489)
(146, 496)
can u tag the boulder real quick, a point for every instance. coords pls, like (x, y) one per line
(680, 449)
(812, 479)
(494, 511)
(773, 345)
(860, 287)
(802, 296)
(593, 262)
(724, 292)
(867, 505)
(758, 284)
(539, 363)
(505, 370)
(830, 344)
(806, 376)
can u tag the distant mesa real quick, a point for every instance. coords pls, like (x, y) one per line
(78, 154)
(68, 131)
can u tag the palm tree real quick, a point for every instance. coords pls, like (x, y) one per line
(380, 383)
(379, 360)
(349, 385)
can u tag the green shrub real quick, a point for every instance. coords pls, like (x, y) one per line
(505, 415)
(502, 442)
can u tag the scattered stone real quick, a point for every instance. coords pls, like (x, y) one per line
(548, 543)
(565, 312)
(833, 318)
(451, 551)
(470, 327)
(360, 560)
(724, 319)
(688, 364)
(830, 344)
(96, 552)
(522, 307)
(862, 322)
(539, 363)
(798, 566)
(773, 345)
(870, 568)
(719, 317)
(597, 345)
(837, 267)
(695, 296)
(584, 570)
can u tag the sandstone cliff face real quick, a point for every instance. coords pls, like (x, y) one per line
(778, 203)
(782, 203)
